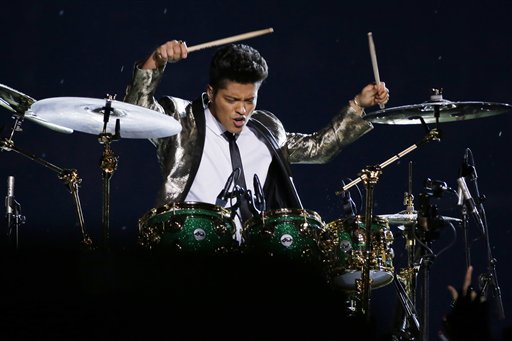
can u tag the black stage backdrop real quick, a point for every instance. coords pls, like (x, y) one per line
(319, 58)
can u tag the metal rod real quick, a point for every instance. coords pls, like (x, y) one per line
(432, 135)
(70, 177)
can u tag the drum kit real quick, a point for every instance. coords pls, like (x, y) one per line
(355, 253)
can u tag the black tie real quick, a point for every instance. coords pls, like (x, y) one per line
(236, 162)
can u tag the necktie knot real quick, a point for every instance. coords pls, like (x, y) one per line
(229, 136)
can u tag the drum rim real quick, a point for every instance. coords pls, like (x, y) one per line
(292, 211)
(361, 219)
(181, 206)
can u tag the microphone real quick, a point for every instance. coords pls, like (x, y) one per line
(468, 200)
(466, 169)
(222, 198)
(9, 201)
(460, 196)
(348, 204)
(259, 202)
(238, 192)
(437, 187)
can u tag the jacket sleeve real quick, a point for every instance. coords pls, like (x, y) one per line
(141, 90)
(323, 145)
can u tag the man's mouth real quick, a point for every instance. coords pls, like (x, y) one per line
(239, 121)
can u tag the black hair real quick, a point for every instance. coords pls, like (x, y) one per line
(239, 63)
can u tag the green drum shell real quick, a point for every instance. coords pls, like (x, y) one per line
(291, 233)
(188, 227)
(343, 245)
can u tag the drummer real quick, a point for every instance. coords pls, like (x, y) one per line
(196, 163)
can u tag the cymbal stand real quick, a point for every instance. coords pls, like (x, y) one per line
(426, 259)
(432, 135)
(69, 176)
(406, 278)
(429, 226)
(370, 177)
(108, 165)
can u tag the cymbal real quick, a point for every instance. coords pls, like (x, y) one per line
(14, 100)
(19, 103)
(448, 112)
(86, 115)
(404, 218)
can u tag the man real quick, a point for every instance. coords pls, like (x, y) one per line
(197, 167)
(196, 163)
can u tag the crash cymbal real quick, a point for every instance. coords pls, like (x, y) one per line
(86, 115)
(448, 112)
(19, 103)
(14, 100)
(404, 218)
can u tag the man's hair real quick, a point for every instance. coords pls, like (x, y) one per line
(239, 63)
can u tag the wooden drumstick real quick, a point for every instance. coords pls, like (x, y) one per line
(373, 56)
(231, 39)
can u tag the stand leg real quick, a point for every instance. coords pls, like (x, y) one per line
(410, 313)
(72, 180)
(425, 296)
(106, 208)
(108, 166)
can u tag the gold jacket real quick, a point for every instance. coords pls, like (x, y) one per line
(179, 155)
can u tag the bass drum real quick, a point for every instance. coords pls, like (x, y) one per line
(343, 245)
(188, 227)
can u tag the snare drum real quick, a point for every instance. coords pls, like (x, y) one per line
(343, 245)
(188, 226)
(291, 233)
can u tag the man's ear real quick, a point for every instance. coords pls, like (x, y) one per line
(209, 92)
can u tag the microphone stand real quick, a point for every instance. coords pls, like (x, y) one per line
(69, 176)
(467, 250)
(14, 220)
(490, 278)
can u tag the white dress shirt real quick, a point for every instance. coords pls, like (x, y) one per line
(215, 166)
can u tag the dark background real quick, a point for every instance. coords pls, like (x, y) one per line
(319, 59)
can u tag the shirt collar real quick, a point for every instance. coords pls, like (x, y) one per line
(212, 123)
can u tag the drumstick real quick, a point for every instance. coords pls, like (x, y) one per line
(373, 56)
(231, 39)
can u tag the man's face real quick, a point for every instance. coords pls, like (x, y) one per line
(233, 104)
